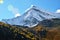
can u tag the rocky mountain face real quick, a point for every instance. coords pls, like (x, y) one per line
(34, 24)
(31, 17)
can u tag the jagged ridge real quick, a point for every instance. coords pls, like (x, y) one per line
(30, 18)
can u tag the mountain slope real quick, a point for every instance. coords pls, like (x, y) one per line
(8, 32)
(48, 31)
(30, 18)
(39, 32)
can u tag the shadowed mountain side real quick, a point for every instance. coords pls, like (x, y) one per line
(39, 32)
(8, 32)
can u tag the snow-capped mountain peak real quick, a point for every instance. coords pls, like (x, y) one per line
(30, 18)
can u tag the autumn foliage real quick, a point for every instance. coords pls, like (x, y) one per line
(39, 32)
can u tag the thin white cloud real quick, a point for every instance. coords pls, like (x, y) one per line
(10, 7)
(58, 11)
(14, 10)
(17, 14)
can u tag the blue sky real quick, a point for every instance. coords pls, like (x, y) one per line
(11, 8)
